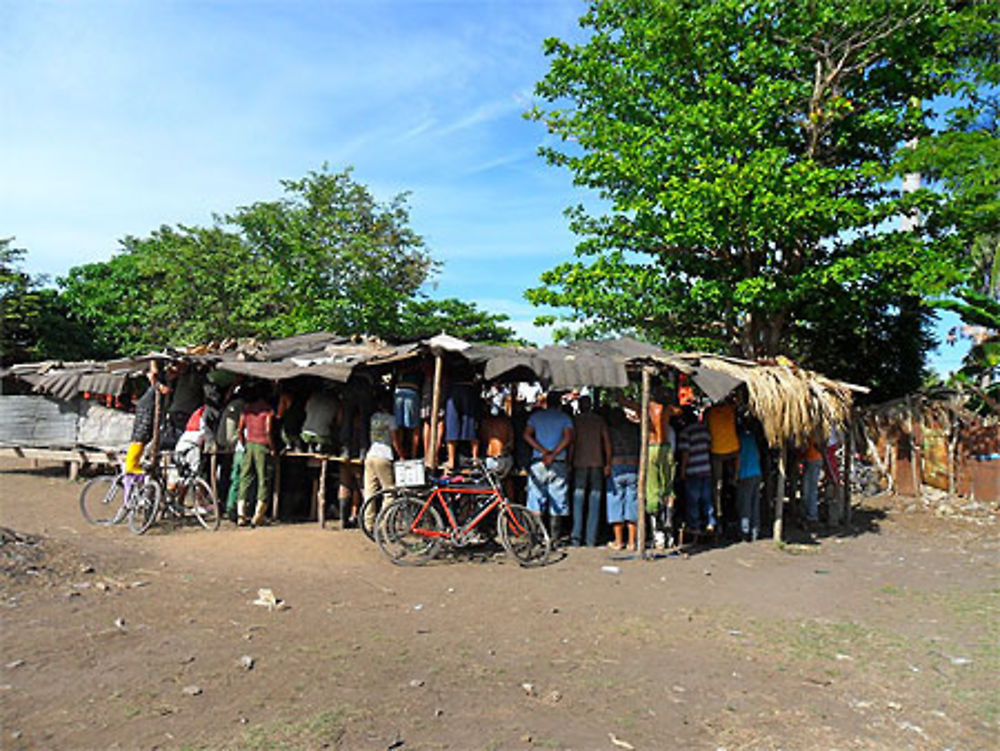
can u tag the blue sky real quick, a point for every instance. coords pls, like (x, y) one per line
(122, 116)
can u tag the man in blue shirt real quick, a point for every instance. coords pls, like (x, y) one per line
(549, 432)
(748, 485)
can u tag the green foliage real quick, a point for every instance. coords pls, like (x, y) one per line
(422, 319)
(326, 256)
(746, 153)
(34, 322)
(335, 258)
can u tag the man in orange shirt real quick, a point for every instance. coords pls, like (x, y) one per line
(812, 459)
(721, 421)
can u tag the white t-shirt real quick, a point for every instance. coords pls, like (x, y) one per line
(381, 426)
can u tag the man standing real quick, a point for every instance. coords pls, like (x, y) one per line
(693, 445)
(721, 422)
(254, 430)
(591, 465)
(623, 490)
(549, 432)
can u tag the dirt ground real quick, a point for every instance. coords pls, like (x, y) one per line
(885, 636)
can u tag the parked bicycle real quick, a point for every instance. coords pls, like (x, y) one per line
(412, 528)
(111, 499)
(142, 498)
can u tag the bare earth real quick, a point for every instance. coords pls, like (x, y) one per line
(885, 637)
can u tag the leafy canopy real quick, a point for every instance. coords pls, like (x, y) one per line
(325, 256)
(746, 154)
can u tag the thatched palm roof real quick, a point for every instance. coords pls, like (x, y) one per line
(792, 404)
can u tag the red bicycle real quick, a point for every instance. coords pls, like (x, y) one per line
(412, 528)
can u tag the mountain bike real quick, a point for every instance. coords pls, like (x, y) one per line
(111, 499)
(142, 498)
(411, 529)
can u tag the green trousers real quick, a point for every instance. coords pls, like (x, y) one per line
(256, 461)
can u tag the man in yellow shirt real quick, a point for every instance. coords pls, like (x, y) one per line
(721, 420)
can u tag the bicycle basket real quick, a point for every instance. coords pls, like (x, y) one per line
(409, 473)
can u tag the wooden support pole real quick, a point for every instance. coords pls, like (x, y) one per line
(321, 495)
(157, 414)
(643, 461)
(276, 490)
(952, 455)
(914, 467)
(435, 407)
(779, 495)
(848, 471)
(213, 469)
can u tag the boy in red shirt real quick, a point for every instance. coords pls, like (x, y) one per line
(254, 430)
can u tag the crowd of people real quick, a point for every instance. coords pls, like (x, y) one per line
(568, 457)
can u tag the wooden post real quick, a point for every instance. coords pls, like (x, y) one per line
(321, 496)
(435, 406)
(952, 454)
(643, 462)
(779, 494)
(276, 490)
(914, 468)
(157, 412)
(848, 471)
(213, 468)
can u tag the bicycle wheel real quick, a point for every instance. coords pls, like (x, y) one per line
(523, 535)
(201, 503)
(372, 506)
(144, 504)
(102, 500)
(408, 532)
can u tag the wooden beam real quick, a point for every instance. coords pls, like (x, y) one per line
(848, 472)
(643, 462)
(276, 490)
(321, 496)
(912, 438)
(435, 407)
(779, 495)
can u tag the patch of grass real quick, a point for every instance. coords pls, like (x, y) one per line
(132, 711)
(890, 589)
(324, 729)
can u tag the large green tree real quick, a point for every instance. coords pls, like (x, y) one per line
(746, 155)
(325, 256)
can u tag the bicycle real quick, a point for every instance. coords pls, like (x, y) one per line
(192, 496)
(371, 506)
(410, 530)
(111, 499)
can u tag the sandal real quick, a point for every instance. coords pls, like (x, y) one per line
(615, 546)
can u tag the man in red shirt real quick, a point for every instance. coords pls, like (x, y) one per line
(254, 430)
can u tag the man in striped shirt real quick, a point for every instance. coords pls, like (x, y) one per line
(694, 446)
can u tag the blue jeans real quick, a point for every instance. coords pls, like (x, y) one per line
(588, 483)
(810, 490)
(623, 494)
(748, 505)
(547, 488)
(698, 492)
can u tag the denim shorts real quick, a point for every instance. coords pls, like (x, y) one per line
(623, 494)
(547, 488)
(406, 406)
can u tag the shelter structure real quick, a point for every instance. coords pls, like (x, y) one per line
(792, 404)
(933, 439)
